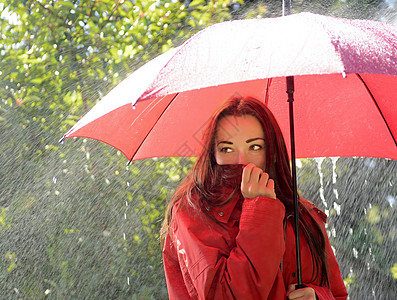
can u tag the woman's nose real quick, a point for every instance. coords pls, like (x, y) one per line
(242, 158)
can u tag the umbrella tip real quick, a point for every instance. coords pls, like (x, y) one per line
(61, 141)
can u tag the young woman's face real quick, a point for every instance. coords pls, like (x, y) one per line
(240, 140)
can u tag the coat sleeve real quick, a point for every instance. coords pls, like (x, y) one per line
(249, 270)
(177, 289)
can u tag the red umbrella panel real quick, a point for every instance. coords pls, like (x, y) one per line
(334, 116)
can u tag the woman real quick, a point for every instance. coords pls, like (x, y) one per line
(228, 232)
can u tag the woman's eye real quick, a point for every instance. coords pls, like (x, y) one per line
(256, 147)
(225, 150)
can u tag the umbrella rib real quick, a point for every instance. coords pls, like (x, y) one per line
(377, 106)
(143, 140)
(267, 91)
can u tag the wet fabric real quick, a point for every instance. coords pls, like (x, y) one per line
(239, 251)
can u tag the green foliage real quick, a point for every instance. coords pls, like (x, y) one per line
(393, 270)
(58, 58)
(357, 194)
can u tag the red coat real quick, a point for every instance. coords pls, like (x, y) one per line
(245, 258)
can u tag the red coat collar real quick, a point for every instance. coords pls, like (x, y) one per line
(223, 213)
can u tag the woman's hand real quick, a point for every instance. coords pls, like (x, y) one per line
(306, 293)
(256, 183)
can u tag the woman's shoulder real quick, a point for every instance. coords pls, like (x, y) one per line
(314, 210)
(186, 207)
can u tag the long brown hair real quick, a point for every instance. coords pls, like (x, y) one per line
(205, 176)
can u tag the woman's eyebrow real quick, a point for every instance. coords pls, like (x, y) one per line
(254, 139)
(224, 142)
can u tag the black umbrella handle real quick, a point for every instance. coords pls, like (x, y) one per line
(290, 92)
(300, 286)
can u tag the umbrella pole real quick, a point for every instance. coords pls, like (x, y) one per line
(290, 92)
(286, 8)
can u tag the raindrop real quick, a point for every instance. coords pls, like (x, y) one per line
(54, 180)
(334, 175)
(128, 183)
(333, 232)
(337, 208)
(124, 236)
(298, 163)
(336, 193)
(126, 203)
(125, 216)
(355, 253)
(370, 163)
(319, 161)
(391, 200)
(128, 280)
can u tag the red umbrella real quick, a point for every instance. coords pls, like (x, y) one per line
(345, 88)
(350, 110)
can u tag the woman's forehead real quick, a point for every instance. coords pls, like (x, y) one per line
(239, 126)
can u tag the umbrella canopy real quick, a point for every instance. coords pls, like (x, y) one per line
(345, 86)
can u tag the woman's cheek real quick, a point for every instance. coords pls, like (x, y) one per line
(225, 159)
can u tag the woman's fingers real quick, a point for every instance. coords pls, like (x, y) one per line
(264, 178)
(256, 175)
(246, 176)
(306, 293)
(270, 190)
(256, 183)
